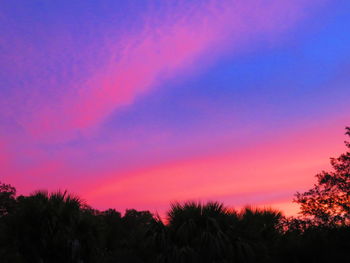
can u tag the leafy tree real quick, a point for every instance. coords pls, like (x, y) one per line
(136, 225)
(7, 206)
(111, 233)
(7, 198)
(328, 202)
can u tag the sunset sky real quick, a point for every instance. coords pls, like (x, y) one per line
(135, 104)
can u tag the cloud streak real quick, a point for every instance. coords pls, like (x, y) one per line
(271, 167)
(164, 48)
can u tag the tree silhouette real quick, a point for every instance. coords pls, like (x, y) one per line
(50, 228)
(328, 202)
(7, 198)
(261, 228)
(60, 227)
(198, 233)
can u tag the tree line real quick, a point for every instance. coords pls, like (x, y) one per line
(60, 227)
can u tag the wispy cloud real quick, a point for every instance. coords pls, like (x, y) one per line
(163, 48)
(283, 165)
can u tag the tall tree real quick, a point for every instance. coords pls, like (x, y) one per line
(328, 202)
(7, 198)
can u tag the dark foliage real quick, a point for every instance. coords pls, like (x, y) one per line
(59, 227)
(328, 202)
(7, 199)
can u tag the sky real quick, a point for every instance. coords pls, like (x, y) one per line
(137, 104)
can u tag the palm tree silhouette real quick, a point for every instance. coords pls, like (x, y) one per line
(50, 227)
(196, 233)
(261, 229)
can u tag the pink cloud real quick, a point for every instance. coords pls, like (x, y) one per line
(283, 165)
(278, 165)
(165, 48)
